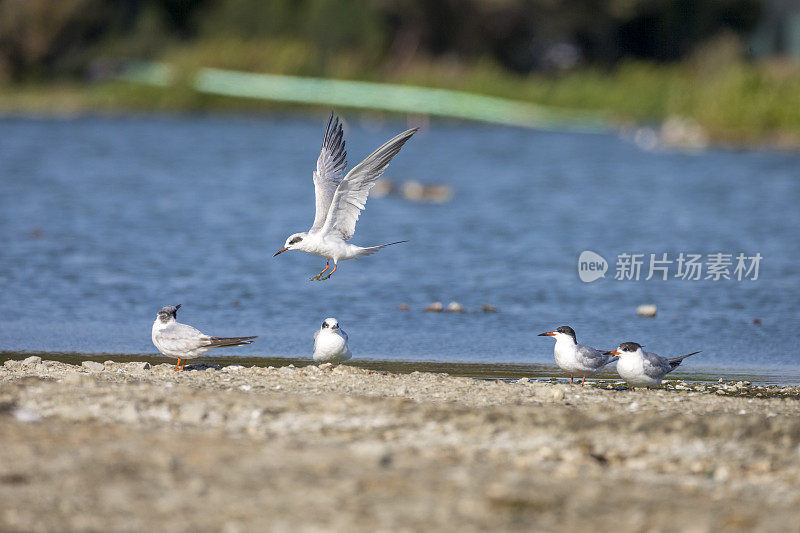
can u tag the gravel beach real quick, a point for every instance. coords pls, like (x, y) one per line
(130, 446)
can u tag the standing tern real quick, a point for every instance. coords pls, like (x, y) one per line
(174, 339)
(339, 201)
(644, 369)
(576, 359)
(330, 343)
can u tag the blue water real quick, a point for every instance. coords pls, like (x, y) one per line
(104, 220)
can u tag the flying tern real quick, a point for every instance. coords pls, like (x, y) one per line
(340, 200)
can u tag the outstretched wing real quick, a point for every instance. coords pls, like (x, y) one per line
(330, 168)
(181, 338)
(352, 192)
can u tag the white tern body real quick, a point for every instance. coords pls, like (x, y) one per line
(330, 343)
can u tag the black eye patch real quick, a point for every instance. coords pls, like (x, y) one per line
(324, 324)
(295, 240)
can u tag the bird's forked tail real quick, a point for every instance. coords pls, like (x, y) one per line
(675, 361)
(227, 342)
(372, 249)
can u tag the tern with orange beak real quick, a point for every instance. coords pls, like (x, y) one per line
(575, 359)
(340, 200)
(644, 369)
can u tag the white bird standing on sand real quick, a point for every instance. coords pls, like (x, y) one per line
(644, 369)
(330, 343)
(339, 201)
(174, 339)
(576, 359)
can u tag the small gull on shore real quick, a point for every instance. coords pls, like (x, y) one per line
(644, 369)
(576, 359)
(174, 339)
(330, 343)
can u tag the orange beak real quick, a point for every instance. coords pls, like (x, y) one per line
(547, 334)
(614, 352)
(279, 252)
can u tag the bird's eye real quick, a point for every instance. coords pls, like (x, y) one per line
(324, 324)
(295, 240)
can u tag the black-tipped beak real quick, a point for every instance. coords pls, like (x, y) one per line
(547, 334)
(279, 252)
(178, 306)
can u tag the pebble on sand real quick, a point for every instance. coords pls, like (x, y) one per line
(93, 366)
(648, 310)
(435, 307)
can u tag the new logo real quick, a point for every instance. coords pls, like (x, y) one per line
(591, 266)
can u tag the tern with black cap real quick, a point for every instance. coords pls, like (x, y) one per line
(644, 369)
(575, 359)
(174, 339)
(340, 200)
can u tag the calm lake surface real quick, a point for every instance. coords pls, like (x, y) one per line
(104, 220)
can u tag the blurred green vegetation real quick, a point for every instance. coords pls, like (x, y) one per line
(635, 60)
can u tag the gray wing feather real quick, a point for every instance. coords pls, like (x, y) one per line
(352, 192)
(182, 337)
(656, 366)
(330, 168)
(592, 358)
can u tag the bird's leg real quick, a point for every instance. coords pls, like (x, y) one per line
(570, 380)
(178, 365)
(327, 266)
(583, 381)
(184, 363)
(633, 388)
(335, 266)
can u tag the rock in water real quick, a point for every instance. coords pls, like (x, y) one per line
(435, 307)
(454, 307)
(648, 310)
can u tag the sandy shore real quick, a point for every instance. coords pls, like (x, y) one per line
(127, 446)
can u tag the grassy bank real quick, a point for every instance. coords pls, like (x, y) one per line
(733, 101)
